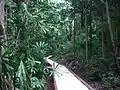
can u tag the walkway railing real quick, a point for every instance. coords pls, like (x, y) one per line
(65, 79)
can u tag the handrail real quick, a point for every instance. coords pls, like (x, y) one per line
(68, 74)
(85, 83)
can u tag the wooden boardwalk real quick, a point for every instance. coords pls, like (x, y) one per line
(64, 79)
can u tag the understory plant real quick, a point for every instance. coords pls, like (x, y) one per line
(33, 31)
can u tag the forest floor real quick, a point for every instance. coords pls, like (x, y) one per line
(79, 70)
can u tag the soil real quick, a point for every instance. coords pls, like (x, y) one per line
(51, 84)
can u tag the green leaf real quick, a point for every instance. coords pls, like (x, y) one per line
(21, 74)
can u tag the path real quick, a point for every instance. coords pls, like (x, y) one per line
(65, 80)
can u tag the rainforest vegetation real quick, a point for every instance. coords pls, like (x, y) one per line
(78, 33)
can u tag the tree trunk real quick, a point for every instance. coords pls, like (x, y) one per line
(74, 29)
(90, 17)
(109, 25)
(74, 36)
(103, 45)
(112, 37)
(1, 37)
(86, 32)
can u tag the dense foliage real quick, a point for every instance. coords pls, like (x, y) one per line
(32, 29)
(86, 29)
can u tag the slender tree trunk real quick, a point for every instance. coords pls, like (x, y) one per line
(74, 38)
(90, 27)
(86, 32)
(109, 25)
(74, 30)
(71, 28)
(116, 38)
(112, 37)
(1, 37)
(103, 45)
